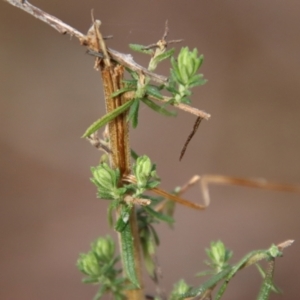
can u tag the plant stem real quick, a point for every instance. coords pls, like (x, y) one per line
(119, 143)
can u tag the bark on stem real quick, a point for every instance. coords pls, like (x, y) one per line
(120, 158)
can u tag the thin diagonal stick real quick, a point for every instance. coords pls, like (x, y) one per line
(54, 22)
(178, 199)
(195, 127)
(192, 110)
(167, 195)
(205, 180)
(63, 28)
(121, 58)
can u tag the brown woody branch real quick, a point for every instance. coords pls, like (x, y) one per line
(63, 28)
(121, 58)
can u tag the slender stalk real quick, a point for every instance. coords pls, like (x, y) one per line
(118, 130)
(120, 158)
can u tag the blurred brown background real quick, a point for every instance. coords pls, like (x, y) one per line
(50, 94)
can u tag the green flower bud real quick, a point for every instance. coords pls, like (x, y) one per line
(106, 179)
(88, 264)
(274, 251)
(104, 248)
(187, 65)
(182, 65)
(142, 170)
(104, 176)
(180, 288)
(218, 255)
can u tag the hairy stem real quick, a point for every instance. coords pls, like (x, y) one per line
(120, 158)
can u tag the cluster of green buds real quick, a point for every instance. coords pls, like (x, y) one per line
(219, 256)
(183, 78)
(180, 288)
(184, 74)
(89, 265)
(99, 266)
(145, 173)
(107, 180)
(143, 90)
(104, 248)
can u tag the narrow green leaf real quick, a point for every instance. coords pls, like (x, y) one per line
(133, 74)
(183, 99)
(153, 184)
(205, 273)
(263, 273)
(121, 91)
(198, 63)
(154, 234)
(110, 209)
(195, 80)
(182, 64)
(174, 64)
(172, 90)
(90, 280)
(267, 283)
(134, 113)
(100, 293)
(201, 82)
(152, 90)
(140, 48)
(120, 225)
(149, 263)
(130, 83)
(164, 55)
(135, 118)
(182, 56)
(128, 255)
(175, 72)
(134, 155)
(248, 259)
(207, 285)
(107, 118)
(183, 74)
(148, 255)
(160, 87)
(123, 218)
(158, 215)
(190, 63)
(274, 288)
(158, 108)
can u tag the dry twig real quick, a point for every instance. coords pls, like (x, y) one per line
(121, 58)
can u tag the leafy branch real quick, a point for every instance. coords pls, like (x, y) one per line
(131, 210)
(223, 272)
(99, 266)
(184, 76)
